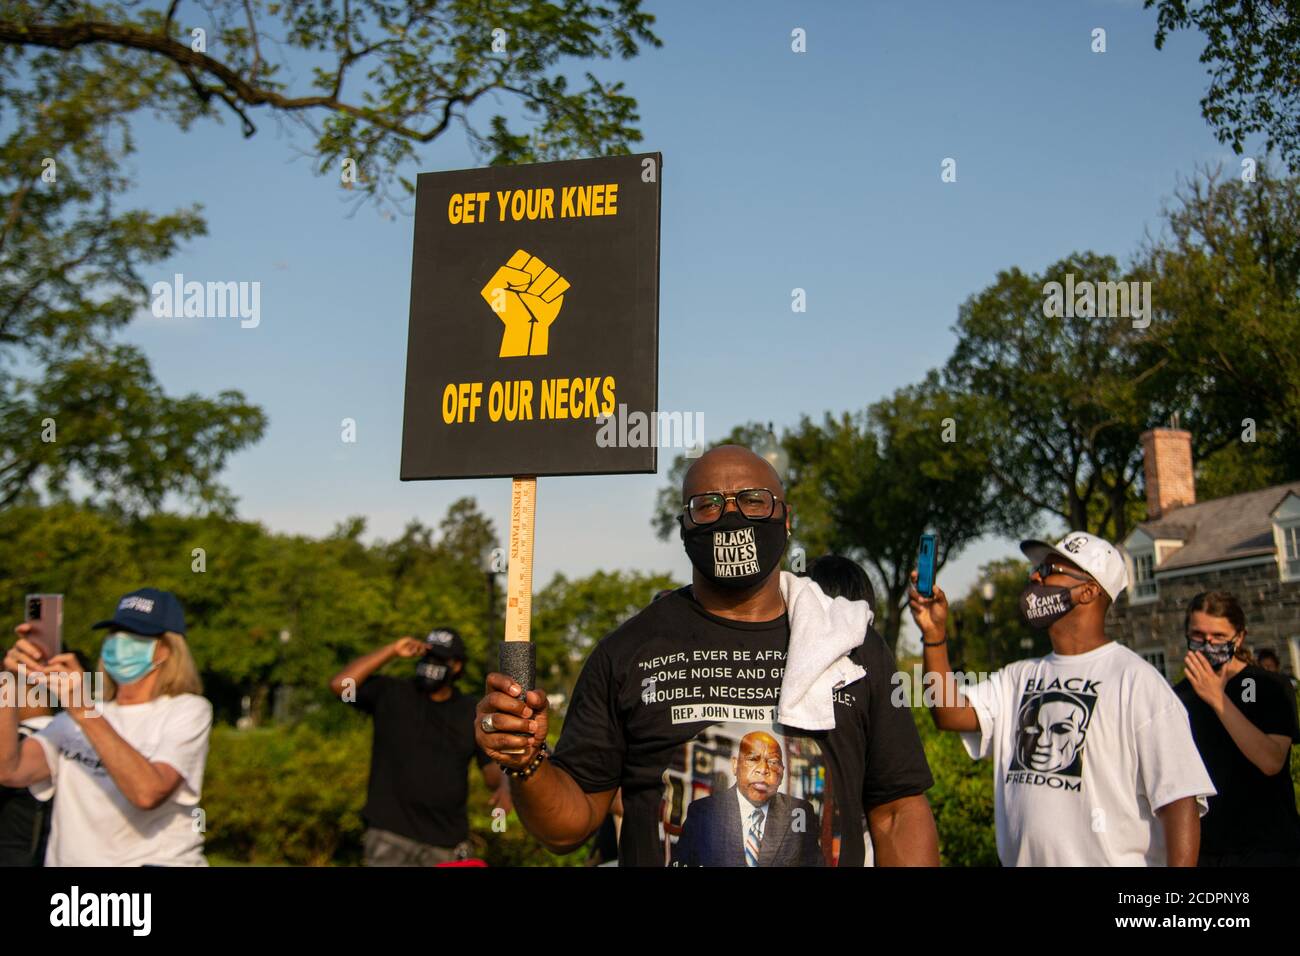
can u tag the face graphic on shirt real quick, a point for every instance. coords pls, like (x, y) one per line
(758, 767)
(700, 819)
(1052, 728)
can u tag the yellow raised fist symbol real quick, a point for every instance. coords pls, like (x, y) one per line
(527, 295)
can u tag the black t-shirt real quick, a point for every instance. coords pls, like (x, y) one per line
(24, 822)
(1251, 811)
(419, 761)
(672, 704)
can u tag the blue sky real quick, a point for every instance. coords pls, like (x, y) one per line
(818, 170)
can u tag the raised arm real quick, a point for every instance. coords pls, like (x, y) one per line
(950, 710)
(360, 670)
(22, 762)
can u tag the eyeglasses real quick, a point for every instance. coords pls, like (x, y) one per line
(756, 504)
(1201, 638)
(1047, 569)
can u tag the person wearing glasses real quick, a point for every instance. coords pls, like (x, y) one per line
(685, 704)
(1244, 723)
(1094, 762)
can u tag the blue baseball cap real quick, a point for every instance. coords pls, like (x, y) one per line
(148, 612)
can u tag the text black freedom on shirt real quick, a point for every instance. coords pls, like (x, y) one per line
(1251, 813)
(669, 700)
(419, 764)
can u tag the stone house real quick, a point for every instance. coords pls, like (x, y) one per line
(1248, 544)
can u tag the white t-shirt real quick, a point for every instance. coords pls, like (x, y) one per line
(1059, 803)
(93, 822)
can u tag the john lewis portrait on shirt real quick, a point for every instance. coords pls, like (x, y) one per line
(754, 813)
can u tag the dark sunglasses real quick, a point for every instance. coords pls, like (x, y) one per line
(1047, 569)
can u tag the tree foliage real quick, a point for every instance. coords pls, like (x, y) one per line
(77, 409)
(868, 485)
(276, 615)
(1060, 401)
(1226, 334)
(571, 615)
(370, 80)
(1252, 55)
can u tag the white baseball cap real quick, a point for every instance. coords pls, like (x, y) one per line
(1094, 555)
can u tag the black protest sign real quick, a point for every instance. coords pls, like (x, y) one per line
(534, 320)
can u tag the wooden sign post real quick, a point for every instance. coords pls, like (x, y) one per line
(518, 654)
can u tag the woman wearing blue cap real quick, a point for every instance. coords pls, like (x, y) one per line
(127, 769)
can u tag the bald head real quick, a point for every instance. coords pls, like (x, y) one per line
(730, 468)
(735, 541)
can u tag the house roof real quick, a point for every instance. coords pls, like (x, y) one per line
(1224, 529)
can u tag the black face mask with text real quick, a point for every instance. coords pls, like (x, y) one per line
(735, 552)
(1042, 605)
(433, 673)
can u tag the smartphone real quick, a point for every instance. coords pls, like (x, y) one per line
(925, 566)
(45, 615)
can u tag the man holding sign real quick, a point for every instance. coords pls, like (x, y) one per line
(749, 691)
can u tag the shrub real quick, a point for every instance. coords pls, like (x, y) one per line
(294, 794)
(286, 794)
(962, 798)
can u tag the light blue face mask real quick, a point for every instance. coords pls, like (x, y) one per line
(127, 657)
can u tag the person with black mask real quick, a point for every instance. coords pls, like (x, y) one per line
(1094, 763)
(664, 706)
(423, 744)
(1244, 723)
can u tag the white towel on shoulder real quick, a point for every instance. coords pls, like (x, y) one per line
(823, 631)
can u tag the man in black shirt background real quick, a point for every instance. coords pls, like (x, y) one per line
(423, 744)
(663, 704)
(1244, 722)
(24, 820)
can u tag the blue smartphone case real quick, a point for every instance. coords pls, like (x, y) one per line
(925, 566)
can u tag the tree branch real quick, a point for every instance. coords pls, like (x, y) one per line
(234, 85)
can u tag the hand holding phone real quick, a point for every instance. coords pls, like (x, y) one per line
(45, 617)
(925, 566)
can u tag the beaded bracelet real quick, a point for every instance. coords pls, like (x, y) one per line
(526, 772)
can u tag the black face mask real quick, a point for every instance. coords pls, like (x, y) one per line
(1217, 654)
(1042, 605)
(433, 673)
(735, 552)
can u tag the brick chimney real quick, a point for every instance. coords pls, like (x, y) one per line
(1167, 461)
